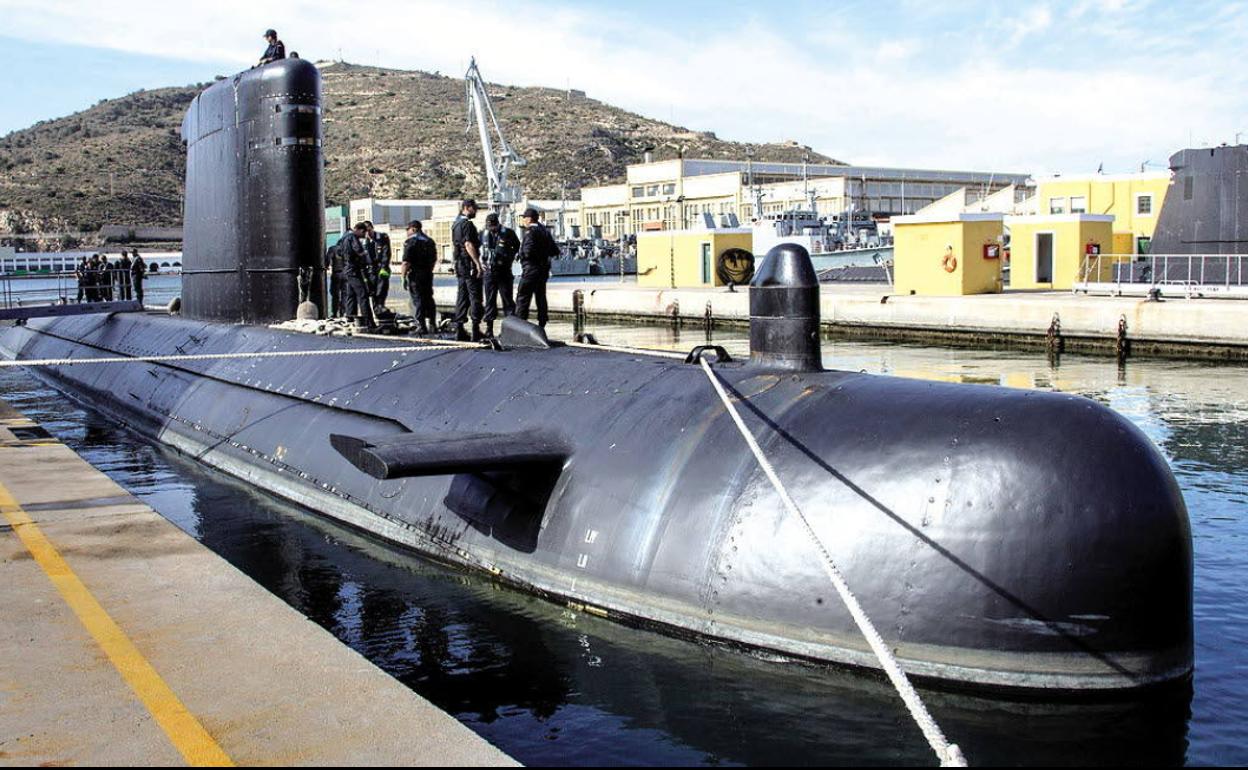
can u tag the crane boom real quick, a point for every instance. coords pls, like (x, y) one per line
(500, 159)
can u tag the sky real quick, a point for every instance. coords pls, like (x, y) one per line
(1024, 87)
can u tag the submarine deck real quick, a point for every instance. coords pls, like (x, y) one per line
(131, 643)
(1176, 327)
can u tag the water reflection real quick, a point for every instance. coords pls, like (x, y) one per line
(551, 686)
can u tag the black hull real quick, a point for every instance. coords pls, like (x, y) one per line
(986, 557)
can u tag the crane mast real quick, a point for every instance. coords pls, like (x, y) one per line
(498, 160)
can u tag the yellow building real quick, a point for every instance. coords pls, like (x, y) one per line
(1047, 251)
(1134, 200)
(947, 254)
(685, 258)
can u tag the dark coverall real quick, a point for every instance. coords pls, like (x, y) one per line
(535, 255)
(381, 269)
(80, 273)
(138, 271)
(356, 298)
(104, 280)
(90, 280)
(468, 296)
(274, 52)
(123, 278)
(334, 264)
(421, 255)
(498, 251)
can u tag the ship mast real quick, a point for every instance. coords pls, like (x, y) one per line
(498, 160)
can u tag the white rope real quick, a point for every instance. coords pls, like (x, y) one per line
(637, 351)
(215, 356)
(948, 753)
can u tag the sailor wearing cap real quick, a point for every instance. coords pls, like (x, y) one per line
(536, 252)
(276, 49)
(468, 269)
(499, 246)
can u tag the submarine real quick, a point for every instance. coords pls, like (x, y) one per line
(1001, 539)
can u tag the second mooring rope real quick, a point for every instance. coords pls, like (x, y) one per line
(218, 356)
(948, 753)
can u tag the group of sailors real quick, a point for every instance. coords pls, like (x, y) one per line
(483, 270)
(102, 281)
(359, 274)
(359, 268)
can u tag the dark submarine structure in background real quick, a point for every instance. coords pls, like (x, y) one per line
(999, 538)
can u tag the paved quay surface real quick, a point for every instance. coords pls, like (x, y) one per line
(127, 642)
(1221, 325)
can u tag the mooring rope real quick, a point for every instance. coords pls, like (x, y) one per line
(219, 356)
(948, 753)
(634, 351)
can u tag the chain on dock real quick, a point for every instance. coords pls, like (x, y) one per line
(948, 753)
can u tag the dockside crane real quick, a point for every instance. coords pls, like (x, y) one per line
(498, 160)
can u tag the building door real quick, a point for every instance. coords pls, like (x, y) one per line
(1044, 257)
(706, 263)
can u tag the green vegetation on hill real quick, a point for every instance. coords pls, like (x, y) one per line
(388, 134)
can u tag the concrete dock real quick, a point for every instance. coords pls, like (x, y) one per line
(127, 642)
(1179, 327)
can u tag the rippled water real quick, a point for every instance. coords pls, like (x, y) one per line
(551, 686)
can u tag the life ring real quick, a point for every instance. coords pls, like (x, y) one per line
(949, 262)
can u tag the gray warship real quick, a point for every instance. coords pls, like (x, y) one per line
(999, 538)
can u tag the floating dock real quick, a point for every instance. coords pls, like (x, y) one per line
(1186, 328)
(130, 643)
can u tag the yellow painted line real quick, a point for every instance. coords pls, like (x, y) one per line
(185, 732)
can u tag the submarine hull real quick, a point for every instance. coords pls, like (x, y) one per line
(999, 538)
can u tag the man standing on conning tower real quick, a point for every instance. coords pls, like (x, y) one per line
(275, 51)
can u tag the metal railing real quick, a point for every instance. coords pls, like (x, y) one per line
(25, 289)
(1189, 275)
(29, 289)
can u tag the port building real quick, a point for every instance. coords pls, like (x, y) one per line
(1133, 200)
(681, 193)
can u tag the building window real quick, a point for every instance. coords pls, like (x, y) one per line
(639, 191)
(1144, 205)
(1057, 205)
(669, 189)
(1078, 204)
(652, 190)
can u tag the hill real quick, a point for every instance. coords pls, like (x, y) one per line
(388, 133)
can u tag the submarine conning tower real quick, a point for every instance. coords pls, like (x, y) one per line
(784, 311)
(255, 210)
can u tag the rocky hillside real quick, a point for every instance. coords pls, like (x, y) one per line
(388, 133)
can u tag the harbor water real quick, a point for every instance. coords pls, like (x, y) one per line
(550, 685)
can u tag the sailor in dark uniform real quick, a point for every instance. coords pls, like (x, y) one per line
(381, 265)
(499, 246)
(335, 266)
(275, 51)
(536, 252)
(468, 270)
(357, 299)
(420, 255)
